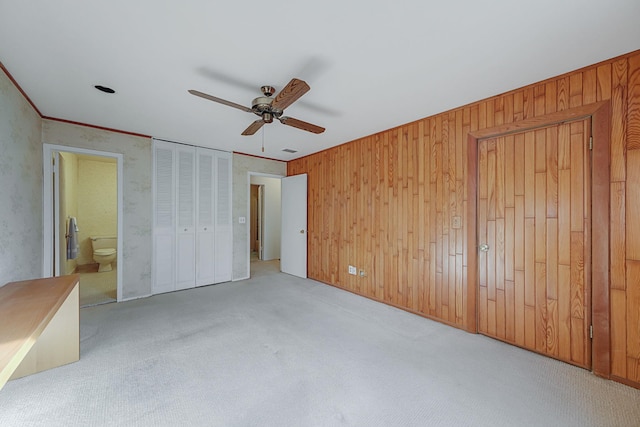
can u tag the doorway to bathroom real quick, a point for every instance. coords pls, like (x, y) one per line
(82, 220)
(264, 219)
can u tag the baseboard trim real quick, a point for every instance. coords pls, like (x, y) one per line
(136, 297)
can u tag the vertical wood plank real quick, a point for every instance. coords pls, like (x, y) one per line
(510, 311)
(518, 237)
(500, 314)
(541, 217)
(633, 206)
(603, 88)
(577, 177)
(589, 83)
(633, 107)
(564, 312)
(633, 317)
(618, 236)
(529, 262)
(483, 321)
(563, 93)
(619, 333)
(564, 216)
(529, 175)
(619, 127)
(551, 95)
(552, 328)
(552, 171)
(509, 244)
(575, 90)
(529, 326)
(552, 258)
(541, 307)
(519, 306)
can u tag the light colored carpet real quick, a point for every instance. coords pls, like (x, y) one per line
(279, 351)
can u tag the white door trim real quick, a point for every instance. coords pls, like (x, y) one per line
(47, 212)
(248, 216)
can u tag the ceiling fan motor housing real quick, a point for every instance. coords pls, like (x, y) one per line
(261, 105)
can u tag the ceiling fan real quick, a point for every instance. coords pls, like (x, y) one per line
(269, 108)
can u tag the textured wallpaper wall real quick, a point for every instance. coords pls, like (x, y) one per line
(20, 186)
(242, 165)
(136, 271)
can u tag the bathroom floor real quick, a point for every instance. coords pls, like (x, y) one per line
(96, 288)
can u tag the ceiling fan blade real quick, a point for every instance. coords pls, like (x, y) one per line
(220, 100)
(253, 127)
(290, 121)
(291, 92)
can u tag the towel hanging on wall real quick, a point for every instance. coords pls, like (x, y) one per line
(72, 238)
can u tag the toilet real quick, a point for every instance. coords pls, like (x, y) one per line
(104, 251)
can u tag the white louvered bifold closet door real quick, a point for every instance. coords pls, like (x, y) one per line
(205, 233)
(224, 225)
(164, 226)
(192, 225)
(186, 230)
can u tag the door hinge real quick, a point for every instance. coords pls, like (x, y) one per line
(591, 331)
(590, 143)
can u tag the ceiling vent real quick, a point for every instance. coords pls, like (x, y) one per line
(289, 150)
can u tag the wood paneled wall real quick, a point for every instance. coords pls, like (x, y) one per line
(395, 204)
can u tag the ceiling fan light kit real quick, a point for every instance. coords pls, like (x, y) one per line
(268, 108)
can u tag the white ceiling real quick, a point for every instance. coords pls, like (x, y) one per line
(371, 65)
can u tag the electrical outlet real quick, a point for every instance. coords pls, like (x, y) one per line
(362, 273)
(353, 270)
(242, 220)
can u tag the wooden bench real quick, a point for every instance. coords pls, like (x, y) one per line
(39, 325)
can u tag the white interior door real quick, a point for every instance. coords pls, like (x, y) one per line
(164, 226)
(205, 236)
(293, 250)
(186, 218)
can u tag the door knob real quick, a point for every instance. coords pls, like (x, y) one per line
(301, 231)
(484, 247)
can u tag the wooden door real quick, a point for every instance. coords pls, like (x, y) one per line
(534, 218)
